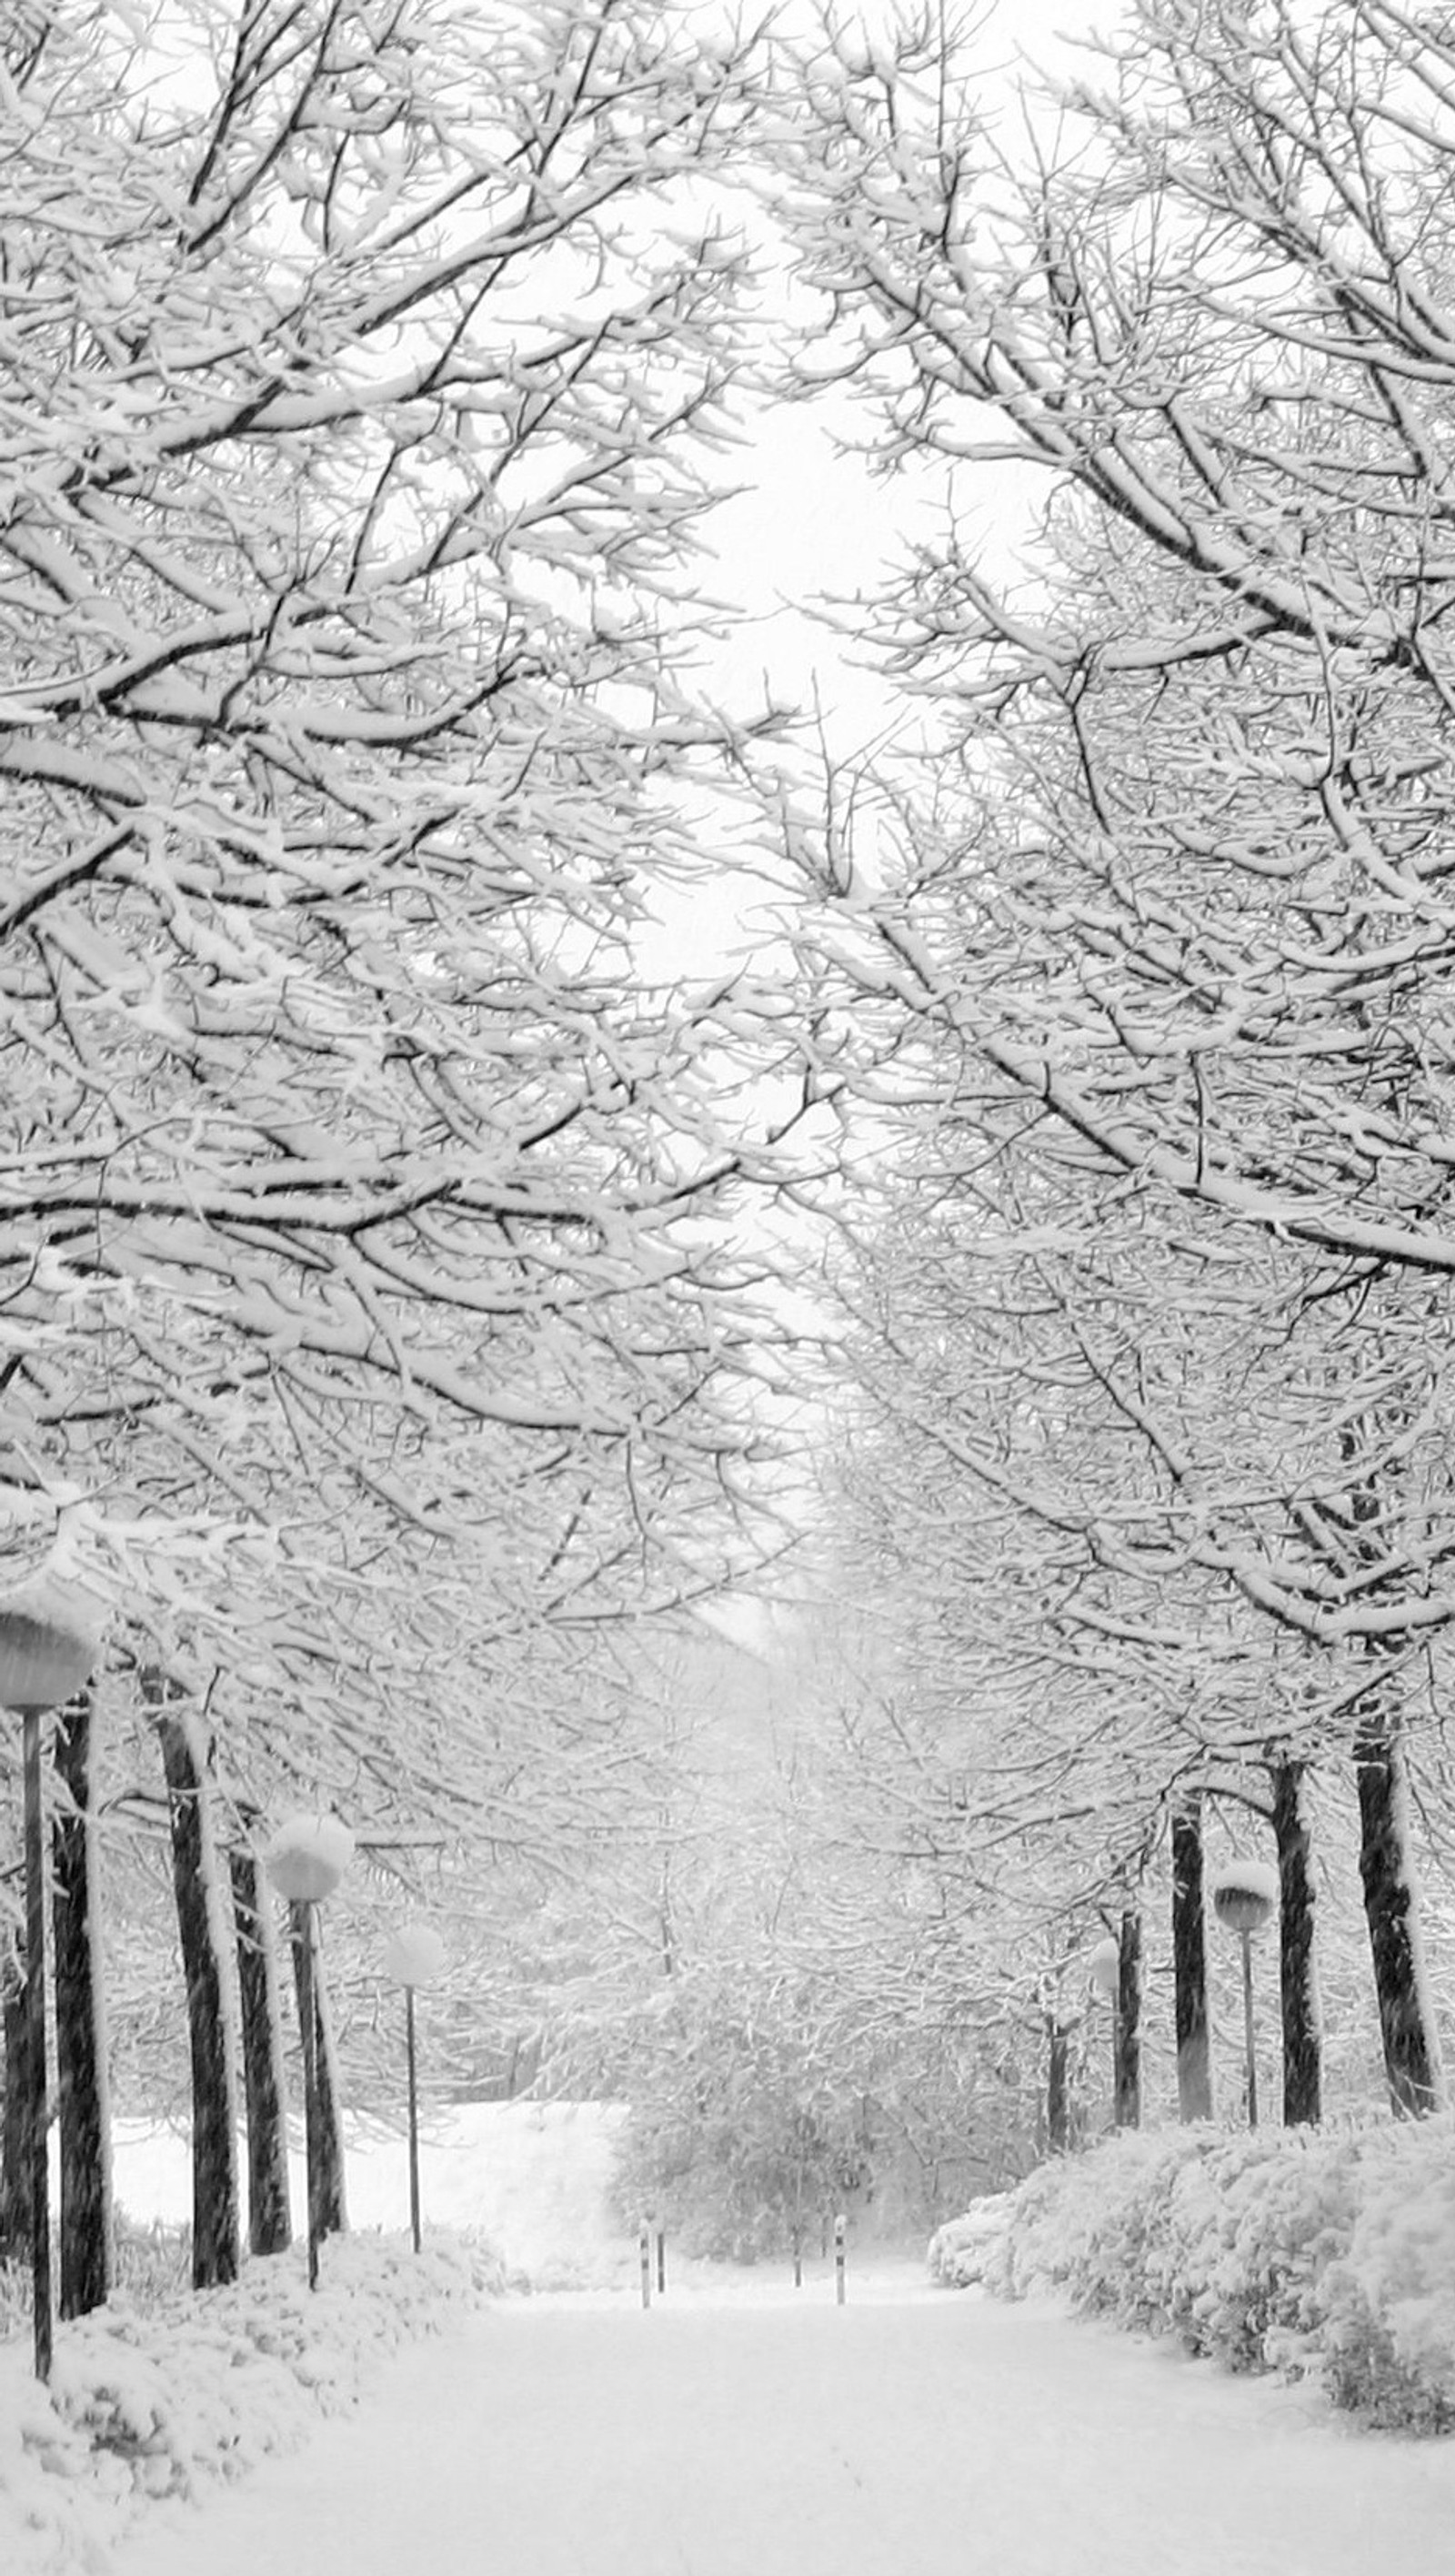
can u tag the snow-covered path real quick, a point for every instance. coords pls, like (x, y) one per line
(767, 2434)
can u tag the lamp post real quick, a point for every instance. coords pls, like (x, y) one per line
(1244, 1894)
(50, 1637)
(305, 1861)
(413, 1956)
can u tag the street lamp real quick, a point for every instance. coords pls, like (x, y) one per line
(1244, 1894)
(414, 1956)
(50, 1638)
(305, 1861)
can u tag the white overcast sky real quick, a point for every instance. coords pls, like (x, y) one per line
(810, 522)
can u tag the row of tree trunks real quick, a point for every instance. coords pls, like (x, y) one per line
(14, 2181)
(1302, 2019)
(1127, 2052)
(1298, 1983)
(81, 2099)
(83, 2110)
(1058, 2085)
(270, 2225)
(1386, 1867)
(212, 1905)
(264, 2078)
(1189, 1970)
(328, 2214)
(1411, 2054)
(221, 2072)
(186, 1760)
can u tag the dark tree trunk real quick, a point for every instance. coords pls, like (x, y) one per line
(82, 2102)
(1127, 2084)
(1297, 1960)
(1386, 1866)
(328, 2209)
(1189, 1967)
(201, 1922)
(14, 2175)
(1058, 2090)
(270, 2223)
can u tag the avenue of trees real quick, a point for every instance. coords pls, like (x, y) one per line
(391, 1335)
(1143, 970)
(379, 1332)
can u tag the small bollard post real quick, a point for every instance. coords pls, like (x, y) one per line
(839, 2226)
(661, 2260)
(646, 2253)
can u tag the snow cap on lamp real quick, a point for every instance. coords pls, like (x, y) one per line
(1244, 1893)
(50, 1639)
(415, 1955)
(308, 1856)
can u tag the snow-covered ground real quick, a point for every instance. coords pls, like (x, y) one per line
(910, 2432)
(740, 2425)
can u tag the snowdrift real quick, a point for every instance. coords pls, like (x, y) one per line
(1313, 2253)
(166, 2392)
(149, 2403)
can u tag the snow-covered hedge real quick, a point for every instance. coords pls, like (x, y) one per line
(164, 2399)
(1329, 2253)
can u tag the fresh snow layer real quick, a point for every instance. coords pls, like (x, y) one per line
(742, 2428)
(762, 2432)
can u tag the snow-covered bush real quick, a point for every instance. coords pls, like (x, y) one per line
(961, 2248)
(1389, 2298)
(1329, 2253)
(164, 2397)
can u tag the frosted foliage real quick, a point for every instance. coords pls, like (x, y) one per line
(1326, 2255)
(365, 387)
(308, 1856)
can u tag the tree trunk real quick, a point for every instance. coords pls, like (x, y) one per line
(328, 2209)
(270, 2221)
(201, 1921)
(1391, 1908)
(1127, 2078)
(82, 2091)
(1058, 2091)
(1303, 2038)
(1189, 1967)
(14, 2179)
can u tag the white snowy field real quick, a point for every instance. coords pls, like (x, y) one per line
(911, 2431)
(531, 2176)
(741, 2425)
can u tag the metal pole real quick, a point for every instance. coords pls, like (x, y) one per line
(35, 2086)
(413, 2116)
(839, 2225)
(306, 2011)
(646, 2254)
(1247, 1941)
(661, 2259)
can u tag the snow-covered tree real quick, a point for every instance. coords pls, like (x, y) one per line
(372, 1287)
(1168, 891)
(368, 372)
